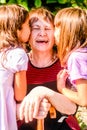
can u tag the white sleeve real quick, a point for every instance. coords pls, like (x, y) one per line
(17, 60)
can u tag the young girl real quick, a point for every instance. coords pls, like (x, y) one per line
(71, 38)
(14, 31)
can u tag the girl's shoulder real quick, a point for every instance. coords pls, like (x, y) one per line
(78, 54)
(17, 59)
(17, 50)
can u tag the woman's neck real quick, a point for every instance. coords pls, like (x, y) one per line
(42, 59)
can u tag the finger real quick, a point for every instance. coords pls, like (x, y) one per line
(59, 73)
(21, 111)
(36, 107)
(44, 106)
(63, 74)
(26, 112)
(44, 100)
(31, 110)
(41, 115)
(43, 110)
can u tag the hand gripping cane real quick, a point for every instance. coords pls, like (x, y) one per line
(40, 122)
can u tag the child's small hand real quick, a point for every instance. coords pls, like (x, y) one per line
(61, 79)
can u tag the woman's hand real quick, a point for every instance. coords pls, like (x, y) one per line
(43, 109)
(34, 105)
(61, 79)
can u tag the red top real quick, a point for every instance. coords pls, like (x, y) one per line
(46, 77)
(43, 76)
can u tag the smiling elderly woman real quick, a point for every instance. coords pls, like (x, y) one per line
(42, 70)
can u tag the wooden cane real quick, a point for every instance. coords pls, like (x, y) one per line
(52, 112)
(40, 124)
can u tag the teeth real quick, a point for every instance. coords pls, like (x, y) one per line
(42, 41)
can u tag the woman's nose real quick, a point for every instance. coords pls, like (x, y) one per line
(42, 32)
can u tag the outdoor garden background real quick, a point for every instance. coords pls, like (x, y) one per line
(53, 6)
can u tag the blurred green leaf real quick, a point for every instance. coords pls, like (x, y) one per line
(51, 1)
(2, 1)
(74, 5)
(12, 1)
(38, 3)
(62, 1)
(23, 3)
(81, 1)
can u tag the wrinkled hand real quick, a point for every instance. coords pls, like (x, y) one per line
(61, 79)
(43, 109)
(34, 105)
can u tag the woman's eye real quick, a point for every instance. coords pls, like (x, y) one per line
(38, 29)
(48, 29)
(35, 28)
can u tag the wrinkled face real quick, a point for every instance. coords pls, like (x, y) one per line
(42, 35)
(24, 33)
(57, 35)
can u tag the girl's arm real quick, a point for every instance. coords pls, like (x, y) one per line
(20, 85)
(79, 96)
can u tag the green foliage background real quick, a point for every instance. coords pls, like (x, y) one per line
(53, 5)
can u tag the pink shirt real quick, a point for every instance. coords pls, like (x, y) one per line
(77, 65)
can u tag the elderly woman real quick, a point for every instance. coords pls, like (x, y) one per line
(42, 71)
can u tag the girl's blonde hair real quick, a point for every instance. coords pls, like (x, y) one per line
(73, 31)
(11, 19)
